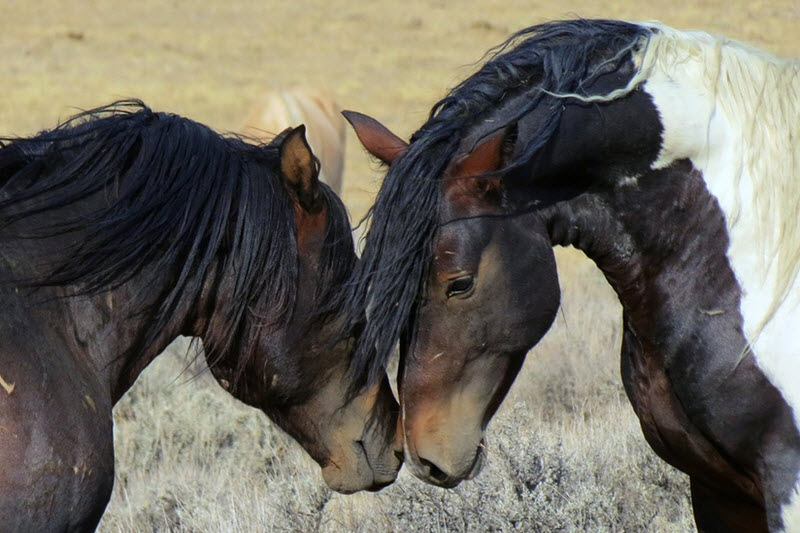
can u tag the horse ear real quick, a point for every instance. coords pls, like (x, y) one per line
(469, 173)
(376, 137)
(300, 168)
(488, 155)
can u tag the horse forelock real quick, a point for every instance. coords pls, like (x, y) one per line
(545, 62)
(386, 282)
(179, 198)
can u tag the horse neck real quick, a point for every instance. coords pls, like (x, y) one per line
(262, 364)
(654, 237)
(724, 181)
(115, 335)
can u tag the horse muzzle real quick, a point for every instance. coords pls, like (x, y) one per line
(444, 468)
(364, 466)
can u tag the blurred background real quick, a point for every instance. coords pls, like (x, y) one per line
(565, 451)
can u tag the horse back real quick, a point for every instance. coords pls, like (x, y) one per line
(279, 109)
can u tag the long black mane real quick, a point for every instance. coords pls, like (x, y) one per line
(543, 61)
(135, 193)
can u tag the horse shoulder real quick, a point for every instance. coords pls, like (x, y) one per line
(56, 441)
(277, 110)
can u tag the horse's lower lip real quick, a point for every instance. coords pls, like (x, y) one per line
(379, 486)
(477, 464)
(376, 483)
(448, 483)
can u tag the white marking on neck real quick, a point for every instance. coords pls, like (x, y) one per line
(628, 181)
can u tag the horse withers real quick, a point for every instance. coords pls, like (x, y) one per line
(672, 160)
(278, 109)
(124, 228)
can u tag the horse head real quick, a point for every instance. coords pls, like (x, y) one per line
(479, 313)
(298, 373)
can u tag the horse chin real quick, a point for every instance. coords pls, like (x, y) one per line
(480, 462)
(344, 481)
(358, 470)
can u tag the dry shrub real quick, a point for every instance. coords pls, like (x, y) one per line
(565, 451)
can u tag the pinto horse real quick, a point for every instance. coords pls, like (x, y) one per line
(124, 228)
(316, 109)
(672, 160)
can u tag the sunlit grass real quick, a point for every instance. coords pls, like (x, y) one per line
(565, 452)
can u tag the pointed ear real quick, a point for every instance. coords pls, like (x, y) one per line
(376, 137)
(488, 155)
(467, 174)
(300, 169)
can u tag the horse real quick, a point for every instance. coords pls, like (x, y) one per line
(672, 160)
(278, 109)
(123, 228)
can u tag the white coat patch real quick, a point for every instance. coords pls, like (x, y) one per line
(719, 143)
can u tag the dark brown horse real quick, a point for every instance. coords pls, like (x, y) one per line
(672, 160)
(124, 228)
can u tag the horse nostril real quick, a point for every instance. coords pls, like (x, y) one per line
(399, 455)
(434, 471)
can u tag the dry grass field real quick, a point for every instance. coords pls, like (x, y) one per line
(566, 453)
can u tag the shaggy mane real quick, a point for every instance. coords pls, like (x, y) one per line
(547, 62)
(130, 192)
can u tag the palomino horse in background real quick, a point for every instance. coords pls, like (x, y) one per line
(124, 228)
(279, 109)
(672, 159)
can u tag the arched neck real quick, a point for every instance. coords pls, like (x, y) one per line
(661, 240)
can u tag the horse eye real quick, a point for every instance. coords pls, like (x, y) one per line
(460, 286)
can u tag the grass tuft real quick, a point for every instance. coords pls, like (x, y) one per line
(565, 451)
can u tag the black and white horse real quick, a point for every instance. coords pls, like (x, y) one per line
(672, 159)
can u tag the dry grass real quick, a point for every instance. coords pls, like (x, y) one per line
(566, 453)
